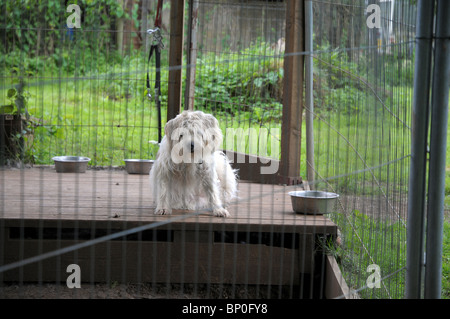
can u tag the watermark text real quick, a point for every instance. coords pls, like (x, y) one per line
(74, 20)
(74, 279)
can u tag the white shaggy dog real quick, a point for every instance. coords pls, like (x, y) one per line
(189, 171)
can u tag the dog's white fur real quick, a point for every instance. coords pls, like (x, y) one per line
(189, 171)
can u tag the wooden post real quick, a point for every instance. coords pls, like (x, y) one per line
(144, 24)
(191, 56)
(293, 94)
(175, 58)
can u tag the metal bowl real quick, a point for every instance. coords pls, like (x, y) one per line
(313, 202)
(71, 164)
(138, 166)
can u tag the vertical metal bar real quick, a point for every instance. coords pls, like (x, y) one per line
(438, 147)
(309, 92)
(158, 90)
(419, 134)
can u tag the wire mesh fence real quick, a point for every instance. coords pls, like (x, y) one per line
(362, 111)
(82, 91)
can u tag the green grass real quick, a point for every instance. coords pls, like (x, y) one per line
(104, 116)
(360, 142)
(446, 262)
(446, 244)
(447, 179)
(92, 124)
(367, 241)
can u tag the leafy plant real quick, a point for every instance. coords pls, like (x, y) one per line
(248, 81)
(20, 125)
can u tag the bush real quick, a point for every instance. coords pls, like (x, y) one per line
(247, 81)
(44, 16)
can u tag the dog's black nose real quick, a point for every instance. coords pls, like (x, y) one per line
(192, 147)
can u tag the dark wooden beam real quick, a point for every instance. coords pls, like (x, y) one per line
(254, 168)
(293, 94)
(175, 58)
(189, 95)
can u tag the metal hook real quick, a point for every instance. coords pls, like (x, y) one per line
(149, 95)
(157, 37)
(151, 31)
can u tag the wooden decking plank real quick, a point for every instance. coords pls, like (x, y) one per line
(111, 200)
(41, 193)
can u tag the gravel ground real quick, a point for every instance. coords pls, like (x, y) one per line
(138, 291)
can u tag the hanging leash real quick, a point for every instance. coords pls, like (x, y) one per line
(156, 47)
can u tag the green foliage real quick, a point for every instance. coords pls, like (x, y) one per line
(346, 100)
(47, 20)
(249, 81)
(36, 37)
(18, 99)
(340, 87)
(20, 127)
(10, 108)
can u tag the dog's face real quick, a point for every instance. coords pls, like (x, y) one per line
(193, 137)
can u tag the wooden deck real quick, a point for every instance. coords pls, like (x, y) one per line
(38, 203)
(115, 197)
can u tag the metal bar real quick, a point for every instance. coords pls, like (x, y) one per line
(158, 89)
(438, 147)
(309, 93)
(419, 137)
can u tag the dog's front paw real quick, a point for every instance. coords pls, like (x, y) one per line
(163, 211)
(221, 212)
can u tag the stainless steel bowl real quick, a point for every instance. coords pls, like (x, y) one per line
(71, 164)
(138, 166)
(313, 202)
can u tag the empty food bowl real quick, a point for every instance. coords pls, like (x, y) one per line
(138, 166)
(71, 164)
(313, 202)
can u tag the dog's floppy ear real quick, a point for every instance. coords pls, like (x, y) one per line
(212, 125)
(210, 121)
(168, 129)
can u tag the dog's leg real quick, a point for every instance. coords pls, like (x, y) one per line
(161, 196)
(163, 211)
(210, 185)
(227, 178)
(162, 207)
